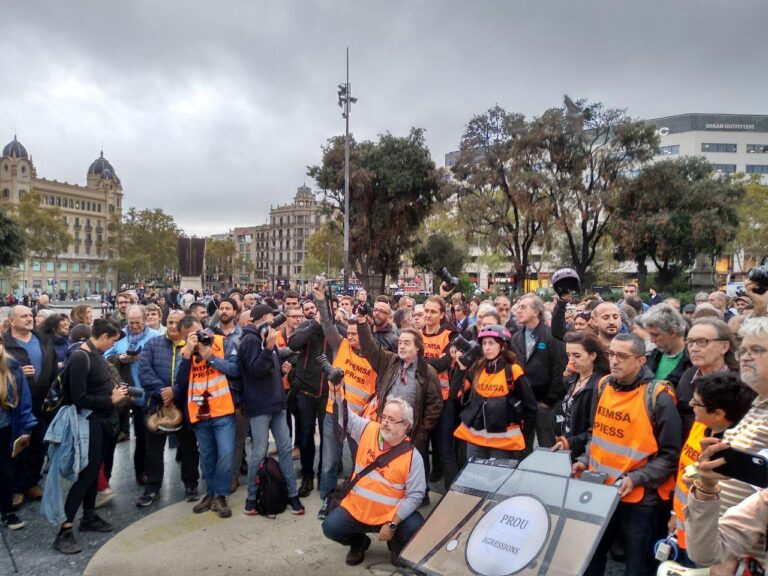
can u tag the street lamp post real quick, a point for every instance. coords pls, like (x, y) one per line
(345, 102)
(328, 260)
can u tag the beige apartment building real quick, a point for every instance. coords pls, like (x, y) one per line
(272, 255)
(84, 266)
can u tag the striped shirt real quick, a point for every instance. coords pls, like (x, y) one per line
(750, 434)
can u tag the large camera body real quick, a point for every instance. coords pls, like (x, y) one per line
(470, 350)
(334, 375)
(450, 281)
(277, 321)
(364, 308)
(204, 338)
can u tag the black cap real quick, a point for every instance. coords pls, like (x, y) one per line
(260, 310)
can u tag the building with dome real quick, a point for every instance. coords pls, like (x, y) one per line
(84, 267)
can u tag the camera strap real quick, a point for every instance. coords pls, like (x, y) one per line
(340, 429)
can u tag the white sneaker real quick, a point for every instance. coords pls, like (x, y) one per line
(103, 497)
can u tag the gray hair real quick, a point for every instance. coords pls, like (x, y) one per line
(754, 327)
(701, 296)
(638, 344)
(536, 303)
(406, 412)
(134, 307)
(485, 308)
(665, 318)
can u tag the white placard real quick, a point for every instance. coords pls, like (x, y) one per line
(508, 537)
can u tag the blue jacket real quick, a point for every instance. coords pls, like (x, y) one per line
(68, 439)
(261, 374)
(121, 347)
(160, 358)
(22, 418)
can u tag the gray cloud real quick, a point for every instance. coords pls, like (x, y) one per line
(212, 111)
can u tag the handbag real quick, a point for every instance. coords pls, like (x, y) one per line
(379, 462)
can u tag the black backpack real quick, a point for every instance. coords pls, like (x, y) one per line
(272, 495)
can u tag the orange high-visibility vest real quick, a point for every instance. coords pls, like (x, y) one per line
(493, 386)
(359, 378)
(281, 343)
(688, 455)
(376, 496)
(202, 377)
(623, 439)
(434, 345)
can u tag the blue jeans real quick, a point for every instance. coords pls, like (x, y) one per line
(260, 427)
(637, 522)
(311, 410)
(216, 441)
(331, 457)
(341, 527)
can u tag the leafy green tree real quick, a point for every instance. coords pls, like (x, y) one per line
(47, 235)
(220, 261)
(12, 241)
(147, 245)
(752, 235)
(393, 185)
(580, 165)
(325, 252)
(501, 198)
(673, 211)
(440, 250)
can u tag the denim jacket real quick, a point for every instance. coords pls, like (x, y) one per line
(68, 438)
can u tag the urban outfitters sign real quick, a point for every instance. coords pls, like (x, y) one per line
(509, 537)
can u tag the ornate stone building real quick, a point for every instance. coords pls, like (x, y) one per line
(84, 266)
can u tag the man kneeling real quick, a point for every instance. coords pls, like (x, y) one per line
(385, 499)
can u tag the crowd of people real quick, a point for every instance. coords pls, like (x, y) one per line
(636, 391)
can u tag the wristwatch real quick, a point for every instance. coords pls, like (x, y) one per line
(392, 526)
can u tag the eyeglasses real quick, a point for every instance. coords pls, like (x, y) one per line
(753, 351)
(702, 342)
(694, 404)
(621, 355)
(390, 420)
(380, 310)
(294, 316)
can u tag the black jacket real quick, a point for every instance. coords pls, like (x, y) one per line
(40, 383)
(544, 369)
(674, 377)
(581, 414)
(307, 377)
(386, 338)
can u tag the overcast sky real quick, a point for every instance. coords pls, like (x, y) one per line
(212, 110)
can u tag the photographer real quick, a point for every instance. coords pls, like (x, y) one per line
(719, 401)
(437, 343)
(309, 383)
(207, 362)
(499, 403)
(89, 389)
(383, 331)
(264, 402)
(359, 386)
(125, 356)
(406, 375)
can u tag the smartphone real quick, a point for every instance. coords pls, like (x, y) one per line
(744, 466)
(133, 352)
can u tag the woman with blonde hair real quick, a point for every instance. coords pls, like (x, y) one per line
(16, 424)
